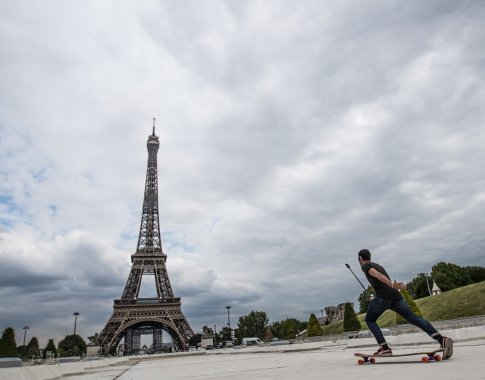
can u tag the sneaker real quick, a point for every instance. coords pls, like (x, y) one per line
(447, 346)
(383, 352)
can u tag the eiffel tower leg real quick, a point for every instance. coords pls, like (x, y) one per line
(127, 319)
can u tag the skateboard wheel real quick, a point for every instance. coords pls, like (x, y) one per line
(360, 361)
(437, 358)
(425, 359)
(372, 360)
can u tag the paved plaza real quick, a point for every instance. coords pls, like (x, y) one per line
(323, 363)
(305, 360)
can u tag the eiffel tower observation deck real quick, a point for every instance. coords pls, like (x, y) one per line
(133, 315)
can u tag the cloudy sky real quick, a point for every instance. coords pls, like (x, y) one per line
(292, 134)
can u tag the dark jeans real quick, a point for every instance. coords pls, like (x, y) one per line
(380, 305)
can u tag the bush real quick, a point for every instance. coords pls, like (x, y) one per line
(351, 323)
(72, 345)
(32, 350)
(314, 328)
(21, 350)
(51, 347)
(288, 328)
(8, 346)
(412, 305)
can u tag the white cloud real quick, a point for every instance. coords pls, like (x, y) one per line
(291, 136)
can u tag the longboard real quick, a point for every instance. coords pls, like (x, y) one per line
(430, 356)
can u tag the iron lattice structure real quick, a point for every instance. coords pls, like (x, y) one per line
(131, 313)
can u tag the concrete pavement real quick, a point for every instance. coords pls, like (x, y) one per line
(316, 360)
(325, 363)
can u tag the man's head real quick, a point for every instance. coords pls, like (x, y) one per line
(364, 255)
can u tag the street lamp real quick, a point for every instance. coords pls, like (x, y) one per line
(75, 321)
(427, 283)
(25, 332)
(228, 319)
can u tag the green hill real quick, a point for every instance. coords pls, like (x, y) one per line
(467, 301)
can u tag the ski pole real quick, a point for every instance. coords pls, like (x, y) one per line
(348, 266)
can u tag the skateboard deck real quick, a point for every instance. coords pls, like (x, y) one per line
(427, 356)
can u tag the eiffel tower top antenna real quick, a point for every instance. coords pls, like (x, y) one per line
(149, 237)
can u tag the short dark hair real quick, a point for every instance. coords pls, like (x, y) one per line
(364, 254)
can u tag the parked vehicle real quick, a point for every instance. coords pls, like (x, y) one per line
(253, 341)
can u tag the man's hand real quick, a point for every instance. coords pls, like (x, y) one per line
(385, 280)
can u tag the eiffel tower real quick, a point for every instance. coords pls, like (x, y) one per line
(133, 316)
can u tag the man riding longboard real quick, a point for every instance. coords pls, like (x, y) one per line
(389, 297)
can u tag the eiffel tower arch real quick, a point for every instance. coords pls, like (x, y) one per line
(134, 315)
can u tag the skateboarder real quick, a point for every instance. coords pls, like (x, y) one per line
(389, 297)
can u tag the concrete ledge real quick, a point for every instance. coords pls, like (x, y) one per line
(293, 347)
(10, 362)
(458, 335)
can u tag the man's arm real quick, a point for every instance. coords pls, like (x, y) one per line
(385, 280)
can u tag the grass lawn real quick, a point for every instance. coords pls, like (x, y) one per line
(467, 301)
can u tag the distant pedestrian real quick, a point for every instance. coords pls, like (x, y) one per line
(389, 297)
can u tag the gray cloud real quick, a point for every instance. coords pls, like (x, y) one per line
(292, 135)
(18, 277)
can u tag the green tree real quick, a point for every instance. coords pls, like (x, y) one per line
(288, 328)
(253, 325)
(365, 298)
(21, 350)
(50, 349)
(72, 345)
(444, 282)
(449, 276)
(418, 288)
(276, 329)
(32, 351)
(8, 346)
(477, 274)
(412, 305)
(351, 323)
(314, 328)
(194, 340)
(225, 334)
